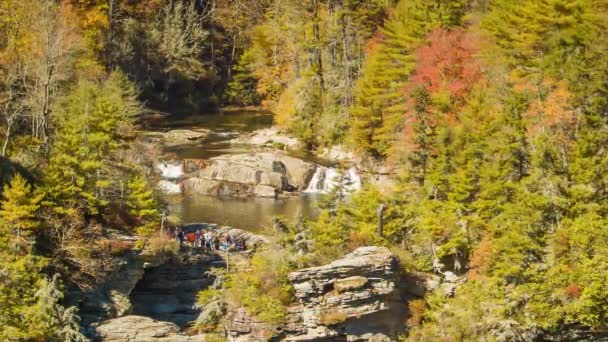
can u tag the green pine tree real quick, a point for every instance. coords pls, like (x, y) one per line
(19, 208)
(90, 122)
(379, 95)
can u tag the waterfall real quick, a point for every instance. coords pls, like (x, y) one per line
(169, 187)
(170, 170)
(326, 178)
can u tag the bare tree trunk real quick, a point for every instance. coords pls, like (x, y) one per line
(7, 137)
(318, 58)
(380, 212)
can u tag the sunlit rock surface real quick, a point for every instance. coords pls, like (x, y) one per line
(354, 298)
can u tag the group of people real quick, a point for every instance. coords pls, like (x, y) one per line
(204, 239)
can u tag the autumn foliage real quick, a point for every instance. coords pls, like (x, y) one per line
(446, 63)
(445, 73)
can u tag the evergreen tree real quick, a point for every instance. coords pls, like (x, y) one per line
(379, 101)
(143, 206)
(21, 317)
(91, 121)
(19, 208)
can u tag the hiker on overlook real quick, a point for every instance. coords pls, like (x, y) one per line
(197, 238)
(179, 237)
(208, 240)
(229, 241)
(191, 237)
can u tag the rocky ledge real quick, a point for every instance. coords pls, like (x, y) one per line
(354, 298)
(141, 329)
(261, 174)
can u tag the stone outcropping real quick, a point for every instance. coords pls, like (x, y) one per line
(354, 298)
(176, 137)
(168, 292)
(260, 174)
(162, 287)
(141, 329)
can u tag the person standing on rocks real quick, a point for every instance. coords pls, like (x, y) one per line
(180, 237)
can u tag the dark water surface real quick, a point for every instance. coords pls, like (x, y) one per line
(243, 121)
(253, 214)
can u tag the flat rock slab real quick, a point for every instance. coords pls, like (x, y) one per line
(141, 329)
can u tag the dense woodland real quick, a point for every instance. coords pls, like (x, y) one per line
(493, 114)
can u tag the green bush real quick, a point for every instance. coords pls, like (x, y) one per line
(263, 289)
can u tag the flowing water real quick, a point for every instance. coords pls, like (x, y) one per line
(253, 214)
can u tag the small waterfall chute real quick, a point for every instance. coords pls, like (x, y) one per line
(170, 170)
(326, 178)
(169, 187)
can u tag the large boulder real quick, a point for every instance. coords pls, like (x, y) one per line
(260, 174)
(140, 329)
(354, 298)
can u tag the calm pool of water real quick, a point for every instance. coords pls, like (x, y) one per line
(253, 214)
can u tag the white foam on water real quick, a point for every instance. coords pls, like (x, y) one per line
(170, 170)
(169, 187)
(326, 178)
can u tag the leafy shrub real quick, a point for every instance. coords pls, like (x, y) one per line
(162, 244)
(417, 309)
(264, 289)
(116, 247)
(207, 296)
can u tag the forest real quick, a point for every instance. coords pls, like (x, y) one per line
(491, 115)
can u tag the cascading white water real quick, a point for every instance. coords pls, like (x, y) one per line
(170, 170)
(326, 178)
(169, 187)
(354, 178)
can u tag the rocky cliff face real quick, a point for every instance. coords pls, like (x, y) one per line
(354, 298)
(168, 292)
(157, 287)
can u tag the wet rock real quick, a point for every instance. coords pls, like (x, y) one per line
(265, 191)
(183, 136)
(193, 165)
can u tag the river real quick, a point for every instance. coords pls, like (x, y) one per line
(253, 214)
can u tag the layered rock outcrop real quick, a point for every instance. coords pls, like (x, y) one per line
(260, 174)
(141, 329)
(162, 287)
(354, 298)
